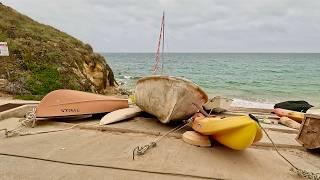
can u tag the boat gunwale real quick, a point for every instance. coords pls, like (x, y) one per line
(87, 102)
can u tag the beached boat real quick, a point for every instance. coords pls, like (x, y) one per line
(237, 132)
(169, 98)
(65, 102)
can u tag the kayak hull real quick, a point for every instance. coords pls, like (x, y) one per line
(234, 132)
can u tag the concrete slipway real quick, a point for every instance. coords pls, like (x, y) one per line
(111, 146)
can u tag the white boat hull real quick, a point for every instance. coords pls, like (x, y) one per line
(169, 98)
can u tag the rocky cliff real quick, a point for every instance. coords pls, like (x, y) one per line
(43, 59)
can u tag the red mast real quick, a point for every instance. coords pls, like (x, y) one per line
(161, 39)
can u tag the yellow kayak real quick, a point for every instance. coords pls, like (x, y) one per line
(234, 132)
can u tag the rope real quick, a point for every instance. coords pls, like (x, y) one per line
(106, 167)
(49, 131)
(141, 150)
(210, 112)
(200, 109)
(30, 121)
(298, 171)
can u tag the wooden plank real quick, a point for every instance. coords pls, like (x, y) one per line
(8, 106)
(314, 116)
(261, 110)
(258, 115)
(19, 112)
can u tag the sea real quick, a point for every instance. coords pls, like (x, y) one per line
(250, 78)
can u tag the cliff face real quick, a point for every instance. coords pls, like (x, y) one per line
(43, 59)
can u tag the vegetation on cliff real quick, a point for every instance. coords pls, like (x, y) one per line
(43, 59)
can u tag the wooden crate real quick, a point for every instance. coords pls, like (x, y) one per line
(309, 134)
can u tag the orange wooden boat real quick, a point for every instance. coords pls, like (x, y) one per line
(65, 102)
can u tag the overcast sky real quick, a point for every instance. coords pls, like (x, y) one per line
(191, 25)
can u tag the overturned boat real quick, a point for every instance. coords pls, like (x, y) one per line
(63, 102)
(169, 98)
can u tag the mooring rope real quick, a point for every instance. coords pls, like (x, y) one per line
(141, 150)
(298, 171)
(107, 167)
(30, 121)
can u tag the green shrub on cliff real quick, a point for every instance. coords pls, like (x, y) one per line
(43, 59)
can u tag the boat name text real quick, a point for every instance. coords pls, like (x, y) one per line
(70, 110)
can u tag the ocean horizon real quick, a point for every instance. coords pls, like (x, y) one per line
(254, 77)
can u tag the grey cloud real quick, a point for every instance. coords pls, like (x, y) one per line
(203, 26)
